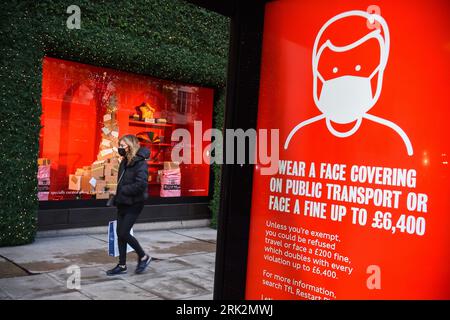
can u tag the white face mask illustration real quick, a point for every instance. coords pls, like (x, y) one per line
(346, 99)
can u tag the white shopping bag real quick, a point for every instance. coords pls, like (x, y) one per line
(113, 244)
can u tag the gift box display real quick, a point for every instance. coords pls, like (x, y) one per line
(43, 177)
(93, 178)
(86, 186)
(98, 170)
(111, 187)
(43, 162)
(102, 195)
(170, 183)
(170, 165)
(74, 182)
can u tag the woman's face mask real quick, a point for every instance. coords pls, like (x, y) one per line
(122, 150)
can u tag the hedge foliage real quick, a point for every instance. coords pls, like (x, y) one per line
(167, 39)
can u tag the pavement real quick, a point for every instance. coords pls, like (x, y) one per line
(182, 269)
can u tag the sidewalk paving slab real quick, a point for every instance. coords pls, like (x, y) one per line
(200, 277)
(117, 289)
(10, 270)
(31, 287)
(89, 275)
(3, 295)
(173, 287)
(48, 254)
(164, 244)
(171, 250)
(183, 268)
(208, 296)
(206, 261)
(167, 244)
(205, 234)
(154, 270)
(65, 296)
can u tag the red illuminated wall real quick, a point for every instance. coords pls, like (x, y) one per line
(73, 102)
(382, 257)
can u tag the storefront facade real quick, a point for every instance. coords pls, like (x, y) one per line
(85, 110)
(70, 93)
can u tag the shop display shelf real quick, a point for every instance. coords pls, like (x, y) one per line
(147, 124)
(153, 163)
(155, 144)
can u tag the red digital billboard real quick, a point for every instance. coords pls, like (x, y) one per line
(359, 206)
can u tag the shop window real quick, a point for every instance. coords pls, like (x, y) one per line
(86, 109)
(185, 101)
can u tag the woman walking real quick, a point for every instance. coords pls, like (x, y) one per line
(131, 192)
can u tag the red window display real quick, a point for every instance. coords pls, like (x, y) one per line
(86, 109)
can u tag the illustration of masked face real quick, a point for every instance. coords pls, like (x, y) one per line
(347, 98)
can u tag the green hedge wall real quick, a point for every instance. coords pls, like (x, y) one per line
(168, 39)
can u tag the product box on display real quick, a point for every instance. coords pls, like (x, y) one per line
(43, 188)
(74, 182)
(102, 195)
(170, 165)
(43, 182)
(100, 186)
(161, 120)
(108, 169)
(170, 183)
(98, 172)
(43, 196)
(44, 172)
(43, 162)
(111, 187)
(110, 179)
(86, 187)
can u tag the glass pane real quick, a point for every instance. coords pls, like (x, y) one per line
(87, 108)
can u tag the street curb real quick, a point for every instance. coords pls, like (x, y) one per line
(164, 225)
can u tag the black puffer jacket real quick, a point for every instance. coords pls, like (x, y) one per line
(133, 187)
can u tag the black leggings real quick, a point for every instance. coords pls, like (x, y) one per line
(126, 217)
